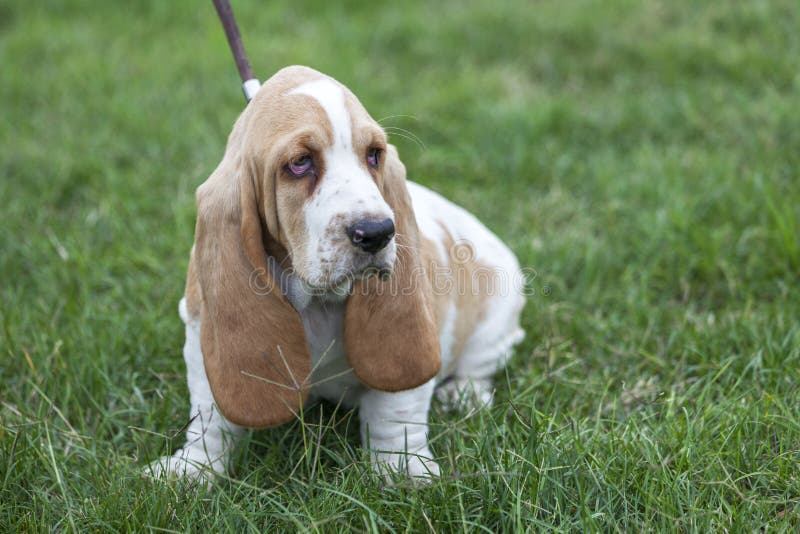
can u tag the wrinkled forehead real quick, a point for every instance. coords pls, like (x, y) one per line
(298, 99)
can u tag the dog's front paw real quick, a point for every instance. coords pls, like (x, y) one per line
(187, 465)
(418, 466)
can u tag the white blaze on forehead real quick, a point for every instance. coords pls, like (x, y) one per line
(346, 193)
(331, 97)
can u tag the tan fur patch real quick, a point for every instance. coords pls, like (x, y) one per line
(472, 283)
(435, 268)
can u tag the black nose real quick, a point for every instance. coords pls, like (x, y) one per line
(370, 235)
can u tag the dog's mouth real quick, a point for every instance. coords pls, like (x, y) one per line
(341, 284)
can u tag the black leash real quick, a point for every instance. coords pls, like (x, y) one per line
(250, 84)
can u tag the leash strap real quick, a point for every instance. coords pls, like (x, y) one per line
(250, 84)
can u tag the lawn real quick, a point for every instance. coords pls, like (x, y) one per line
(641, 157)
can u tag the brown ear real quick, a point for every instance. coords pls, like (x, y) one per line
(390, 335)
(252, 339)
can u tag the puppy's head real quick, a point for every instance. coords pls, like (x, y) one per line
(308, 180)
(320, 158)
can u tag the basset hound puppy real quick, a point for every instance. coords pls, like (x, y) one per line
(319, 271)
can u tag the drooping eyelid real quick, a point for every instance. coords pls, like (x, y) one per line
(299, 154)
(379, 140)
(286, 162)
(301, 144)
(380, 147)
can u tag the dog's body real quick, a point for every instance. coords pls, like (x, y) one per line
(281, 304)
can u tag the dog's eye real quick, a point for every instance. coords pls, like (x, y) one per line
(299, 167)
(374, 157)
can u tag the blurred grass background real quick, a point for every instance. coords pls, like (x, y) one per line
(642, 157)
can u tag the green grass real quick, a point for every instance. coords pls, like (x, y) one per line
(642, 157)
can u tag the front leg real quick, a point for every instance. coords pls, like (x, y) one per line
(394, 426)
(210, 437)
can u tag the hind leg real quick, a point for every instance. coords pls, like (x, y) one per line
(487, 350)
(466, 393)
(471, 387)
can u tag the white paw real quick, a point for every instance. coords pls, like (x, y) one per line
(189, 465)
(422, 468)
(418, 466)
(466, 394)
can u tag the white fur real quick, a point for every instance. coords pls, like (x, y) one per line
(447, 336)
(345, 194)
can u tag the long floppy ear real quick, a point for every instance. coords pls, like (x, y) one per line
(252, 340)
(390, 333)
